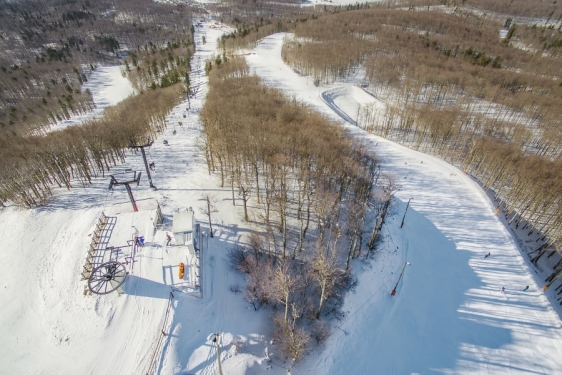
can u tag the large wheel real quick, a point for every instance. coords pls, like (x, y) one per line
(107, 277)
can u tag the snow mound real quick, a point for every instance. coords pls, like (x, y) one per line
(347, 101)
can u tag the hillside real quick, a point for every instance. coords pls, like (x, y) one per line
(455, 310)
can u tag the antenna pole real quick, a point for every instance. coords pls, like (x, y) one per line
(401, 225)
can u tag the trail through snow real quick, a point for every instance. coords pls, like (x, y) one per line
(108, 87)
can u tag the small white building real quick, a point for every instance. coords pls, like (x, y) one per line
(122, 50)
(186, 231)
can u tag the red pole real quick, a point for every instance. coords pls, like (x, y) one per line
(135, 208)
(399, 277)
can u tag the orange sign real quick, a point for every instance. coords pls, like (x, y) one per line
(182, 269)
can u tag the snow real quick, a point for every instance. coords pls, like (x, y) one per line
(353, 99)
(448, 315)
(503, 33)
(335, 2)
(108, 87)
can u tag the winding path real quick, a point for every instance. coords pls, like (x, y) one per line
(449, 315)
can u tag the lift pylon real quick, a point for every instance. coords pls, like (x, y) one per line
(142, 142)
(136, 179)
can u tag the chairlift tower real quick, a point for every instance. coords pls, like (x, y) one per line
(136, 179)
(142, 142)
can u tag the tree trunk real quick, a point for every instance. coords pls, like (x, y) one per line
(286, 309)
(323, 288)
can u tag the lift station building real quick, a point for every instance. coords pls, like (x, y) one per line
(186, 231)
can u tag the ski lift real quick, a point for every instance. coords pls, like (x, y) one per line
(113, 182)
(107, 277)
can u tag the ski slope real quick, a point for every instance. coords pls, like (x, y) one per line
(108, 87)
(448, 315)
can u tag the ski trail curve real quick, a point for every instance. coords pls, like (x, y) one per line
(448, 296)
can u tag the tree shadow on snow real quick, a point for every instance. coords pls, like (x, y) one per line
(447, 316)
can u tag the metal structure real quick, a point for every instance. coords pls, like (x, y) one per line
(401, 225)
(142, 142)
(107, 277)
(136, 179)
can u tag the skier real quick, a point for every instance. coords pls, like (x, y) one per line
(526, 288)
(503, 290)
(152, 166)
(166, 142)
(486, 256)
(169, 239)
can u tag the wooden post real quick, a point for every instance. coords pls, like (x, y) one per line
(401, 225)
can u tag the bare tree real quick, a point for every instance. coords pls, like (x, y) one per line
(379, 203)
(295, 340)
(283, 285)
(209, 208)
(244, 192)
(326, 273)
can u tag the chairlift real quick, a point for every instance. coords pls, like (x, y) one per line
(107, 277)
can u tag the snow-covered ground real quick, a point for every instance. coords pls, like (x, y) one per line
(448, 315)
(108, 87)
(335, 2)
